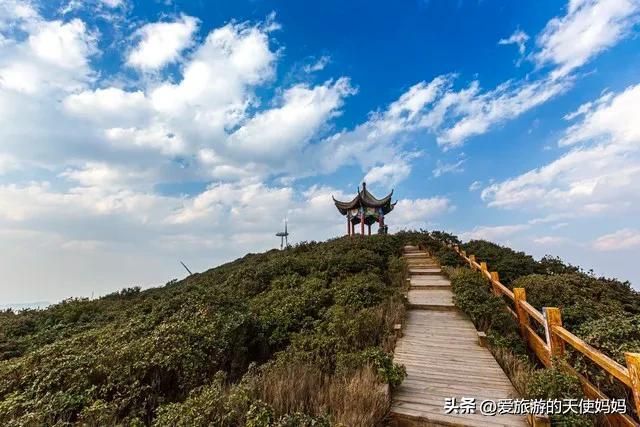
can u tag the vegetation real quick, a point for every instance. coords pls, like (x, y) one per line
(300, 337)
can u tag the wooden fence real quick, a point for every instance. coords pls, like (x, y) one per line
(556, 337)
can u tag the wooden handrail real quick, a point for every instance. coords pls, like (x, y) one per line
(592, 392)
(504, 290)
(602, 360)
(555, 338)
(531, 310)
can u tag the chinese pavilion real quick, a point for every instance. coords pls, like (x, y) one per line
(365, 209)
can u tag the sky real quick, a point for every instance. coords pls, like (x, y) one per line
(137, 134)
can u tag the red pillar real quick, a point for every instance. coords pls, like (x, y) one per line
(348, 227)
(362, 222)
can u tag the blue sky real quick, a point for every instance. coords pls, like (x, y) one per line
(137, 134)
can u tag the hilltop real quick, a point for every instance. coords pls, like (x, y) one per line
(297, 337)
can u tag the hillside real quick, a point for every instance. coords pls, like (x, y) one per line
(316, 318)
(298, 337)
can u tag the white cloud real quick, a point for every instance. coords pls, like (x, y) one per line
(278, 132)
(109, 106)
(161, 43)
(493, 233)
(589, 27)
(608, 141)
(318, 65)
(17, 14)
(55, 55)
(417, 213)
(518, 38)
(372, 143)
(389, 173)
(550, 240)
(624, 239)
(113, 3)
(64, 45)
(155, 137)
(475, 186)
(471, 112)
(444, 168)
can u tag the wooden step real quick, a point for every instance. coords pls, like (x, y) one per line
(425, 272)
(429, 287)
(432, 307)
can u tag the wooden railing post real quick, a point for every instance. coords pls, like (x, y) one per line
(553, 318)
(633, 365)
(494, 278)
(519, 296)
(472, 259)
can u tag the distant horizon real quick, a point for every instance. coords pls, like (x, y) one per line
(137, 134)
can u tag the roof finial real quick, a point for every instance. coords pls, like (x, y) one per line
(364, 185)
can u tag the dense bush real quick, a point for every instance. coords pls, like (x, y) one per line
(487, 311)
(581, 297)
(554, 383)
(507, 262)
(180, 354)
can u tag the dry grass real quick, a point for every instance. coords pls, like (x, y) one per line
(358, 399)
(518, 370)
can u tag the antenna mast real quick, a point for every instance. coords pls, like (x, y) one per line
(284, 236)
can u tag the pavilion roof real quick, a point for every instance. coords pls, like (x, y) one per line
(365, 199)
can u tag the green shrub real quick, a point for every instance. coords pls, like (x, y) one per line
(507, 262)
(471, 293)
(582, 298)
(180, 354)
(553, 383)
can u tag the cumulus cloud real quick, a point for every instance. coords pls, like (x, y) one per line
(418, 213)
(55, 55)
(279, 131)
(624, 239)
(161, 43)
(389, 173)
(608, 141)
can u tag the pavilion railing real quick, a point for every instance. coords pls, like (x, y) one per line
(556, 337)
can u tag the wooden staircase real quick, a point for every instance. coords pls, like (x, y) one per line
(441, 352)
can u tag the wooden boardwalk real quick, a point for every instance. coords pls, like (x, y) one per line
(440, 349)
